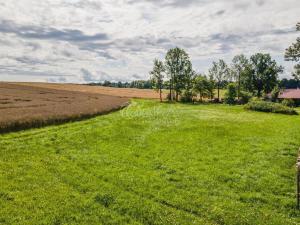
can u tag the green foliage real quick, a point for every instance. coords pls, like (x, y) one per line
(219, 72)
(244, 97)
(288, 102)
(154, 163)
(204, 87)
(157, 76)
(293, 54)
(239, 66)
(239, 70)
(259, 75)
(140, 84)
(189, 81)
(288, 83)
(230, 94)
(179, 69)
(187, 96)
(275, 93)
(170, 97)
(272, 107)
(264, 73)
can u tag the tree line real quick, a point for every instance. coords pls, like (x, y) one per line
(256, 76)
(140, 84)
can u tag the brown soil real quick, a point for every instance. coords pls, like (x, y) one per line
(120, 92)
(25, 106)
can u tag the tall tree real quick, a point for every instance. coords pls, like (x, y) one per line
(202, 86)
(211, 87)
(157, 76)
(219, 72)
(264, 72)
(239, 68)
(189, 77)
(177, 64)
(293, 54)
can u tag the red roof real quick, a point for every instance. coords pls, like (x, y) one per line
(290, 94)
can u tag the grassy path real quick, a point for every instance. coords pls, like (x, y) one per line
(154, 163)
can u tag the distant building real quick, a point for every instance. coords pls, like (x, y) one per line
(290, 94)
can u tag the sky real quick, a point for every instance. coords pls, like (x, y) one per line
(82, 41)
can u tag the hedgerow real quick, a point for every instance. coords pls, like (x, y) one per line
(263, 106)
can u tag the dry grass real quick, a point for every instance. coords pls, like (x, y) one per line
(24, 106)
(120, 92)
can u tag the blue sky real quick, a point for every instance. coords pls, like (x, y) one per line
(95, 40)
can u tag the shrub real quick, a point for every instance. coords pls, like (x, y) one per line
(255, 99)
(230, 94)
(187, 96)
(288, 102)
(215, 100)
(169, 97)
(275, 93)
(106, 200)
(263, 106)
(244, 97)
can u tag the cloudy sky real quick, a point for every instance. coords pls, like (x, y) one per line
(95, 40)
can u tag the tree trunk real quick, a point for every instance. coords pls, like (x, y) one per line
(259, 89)
(218, 91)
(171, 90)
(176, 96)
(239, 87)
(160, 97)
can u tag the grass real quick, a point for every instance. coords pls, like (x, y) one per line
(154, 163)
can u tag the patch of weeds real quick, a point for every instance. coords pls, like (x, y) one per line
(6, 196)
(106, 200)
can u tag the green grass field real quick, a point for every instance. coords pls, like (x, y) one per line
(154, 163)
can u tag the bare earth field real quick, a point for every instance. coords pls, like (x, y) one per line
(120, 92)
(25, 106)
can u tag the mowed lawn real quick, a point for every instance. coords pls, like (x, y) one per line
(154, 163)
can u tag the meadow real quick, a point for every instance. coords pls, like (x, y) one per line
(154, 163)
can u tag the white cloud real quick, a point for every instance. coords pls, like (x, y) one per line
(56, 40)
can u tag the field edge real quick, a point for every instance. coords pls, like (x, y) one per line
(39, 123)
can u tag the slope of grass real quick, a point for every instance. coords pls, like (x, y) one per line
(154, 163)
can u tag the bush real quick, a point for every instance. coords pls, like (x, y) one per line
(187, 96)
(288, 102)
(230, 94)
(263, 106)
(169, 97)
(275, 93)
(244, 97)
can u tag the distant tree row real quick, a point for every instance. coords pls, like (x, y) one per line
(140, 84)
(148, 84)
(257, 75)
(289, 83)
